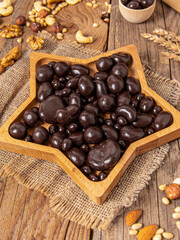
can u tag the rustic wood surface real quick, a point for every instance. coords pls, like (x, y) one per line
(25, 214)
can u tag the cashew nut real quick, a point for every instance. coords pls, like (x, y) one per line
(5, 4)
(38, 6)
(73, 2)
(81, 39)
(6, 11)
(50, 20)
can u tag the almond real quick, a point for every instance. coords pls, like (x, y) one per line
(132, 217)
(147, 232)
(172, 191)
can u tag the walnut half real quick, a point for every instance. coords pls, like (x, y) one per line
(10, 31)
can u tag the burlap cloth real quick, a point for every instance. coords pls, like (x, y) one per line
(65, 197)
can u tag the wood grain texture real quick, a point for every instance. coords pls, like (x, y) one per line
(120, 33)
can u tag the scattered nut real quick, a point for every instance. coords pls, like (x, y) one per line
(21, 20)
(157, 237)
(64, 30)
(6, 11)
(95, 5)
(137, 226)
(50, 20)
(176, 215)
(162, 187)
(89, 4)
(105, 17)
(50, 2)
(94, 1)
(165, 201)
(59, 36)
(19, 40)
(172, 191)
(73, 2)
(42, 13)
(167, 235)
(2, 69)
(10, 57)
(56, 28)
(178, 224)
(159, 231)
(177, 210)
(65, 4)
(35, 43)
(38, 6)
(28, 24)
(177, 181)
(10, 31)
(5, 4)
(31, 13)
(95, 25)
(81, 39)
(133, 232)
(35, 26)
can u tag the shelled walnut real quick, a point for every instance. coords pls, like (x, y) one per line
(10, 31)
(35, 42)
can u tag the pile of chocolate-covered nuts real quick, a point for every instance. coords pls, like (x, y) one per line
(92, 119)
(137, 4)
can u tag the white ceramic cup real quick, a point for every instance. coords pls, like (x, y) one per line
(136, 15)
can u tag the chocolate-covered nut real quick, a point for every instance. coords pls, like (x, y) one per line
(124, 2)
(56, 84)
(109, 122)
(150, 131)
(100, 120)
(87, 119)
(140, 96)
(35, 110)
(61, 69)
(92, 108)
(68, 77)
(120, 69)
(30, 118)
(122, 57)
(115, 84)
(65, 92)
(44, 91)
(101, 88)
(110, 132)
(156, 109)
(113, 116)
(73, 110)
(61, 128)
(133, 5)
(73, 82)
(67, 144)
(93, 177)
(127, 111)
(123, 98)
(117, 127)
(86, 170)
(40, 135)
(53, 129)
(77, 138)
(49, 107)
(104, 155)
(18, 130)
(134, 104)
(84, 148)
(146, 3)
(63, 117)
(57, 140)
(51, 64)
(78, 69)
(104, 64)
(162, 120)
(146, 104)
(131, 134)
(102, 176)
(101, 76)
(74, 99)
(77, 156)
(106, 103)
(121, 121)
(62, 79)
(86, 86)
(28, 138)
(44, 73)
(143, 120)
(93, 135)
(73, 127)
(133, 85)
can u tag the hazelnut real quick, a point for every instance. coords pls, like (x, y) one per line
(172, 191)
(35, 27)
(105, 17)
(56, 28)
(21, 20)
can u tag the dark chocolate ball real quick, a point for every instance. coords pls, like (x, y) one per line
(86, 86)
(115, 84)
(53, 129)
(84, 148)
(93, 177)
(133, 85)
(140, 96)
(102, 76)
(67, 144)
(121, 121)
(93, 135)
(86, 170)
(73, 127)
(77, 138)
(122, 57)
(78, 69)
(104, 64)
(18, 130)
(56, 84)
(44, 91)
(102, 176)
(77, 156)
(61, 69)
(133, 5)
(101, 88)
(44, 73)
(146, 3)
(106, 103)
(123, 98)
(28, 138)
(51, 64)
(87, 119)
(30, 118)
(113, 116)
(40, 135)
(63, 117)
(120, 69)
(57, 140)
(35, 110)
(61, 128)
(157, 109)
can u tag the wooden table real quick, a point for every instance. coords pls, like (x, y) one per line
(25, 214)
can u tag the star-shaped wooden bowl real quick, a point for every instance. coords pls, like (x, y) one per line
(97, 191)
